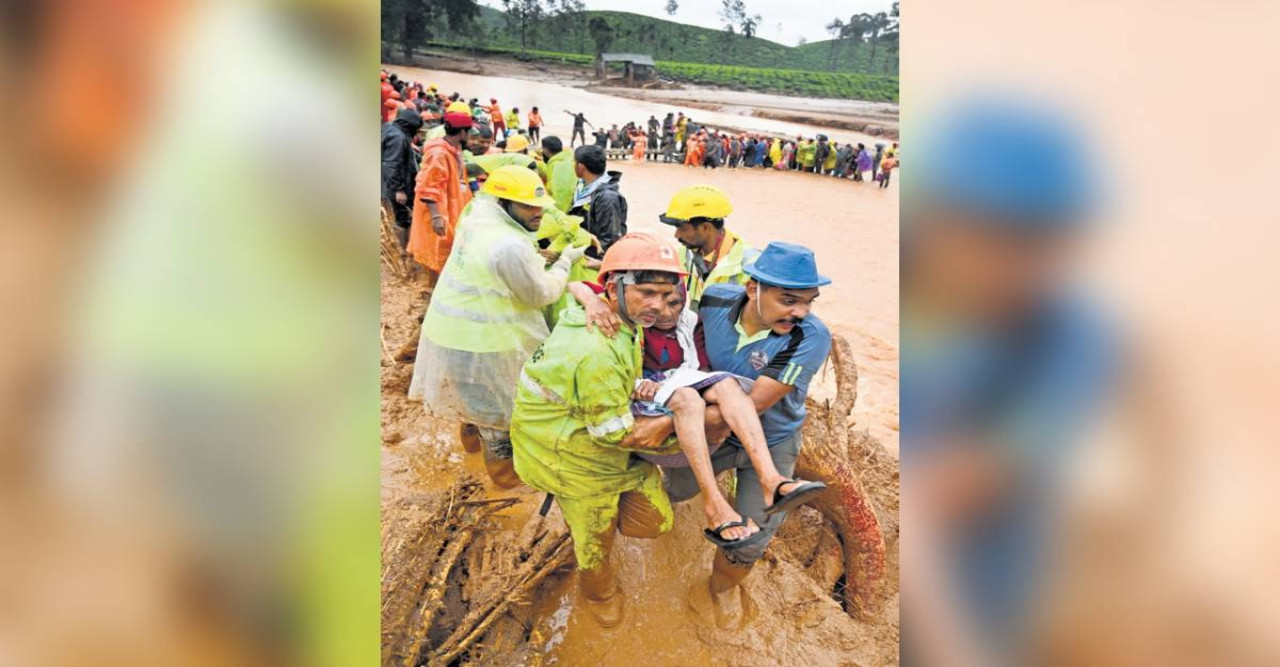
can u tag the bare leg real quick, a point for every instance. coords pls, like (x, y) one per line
(740, 413)
(690, 418)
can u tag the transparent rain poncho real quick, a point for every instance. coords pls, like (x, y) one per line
(472, 349)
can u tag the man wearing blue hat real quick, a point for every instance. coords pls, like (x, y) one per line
(763, 331)
(1004, 363)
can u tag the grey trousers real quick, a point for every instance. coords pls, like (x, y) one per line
(681, 486)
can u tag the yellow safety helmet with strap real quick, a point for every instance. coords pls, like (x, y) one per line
(697, 201)
(517, 184)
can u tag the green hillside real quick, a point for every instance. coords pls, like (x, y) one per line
(851, 68)
(670, 41)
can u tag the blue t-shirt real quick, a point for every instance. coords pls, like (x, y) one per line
(791, 358)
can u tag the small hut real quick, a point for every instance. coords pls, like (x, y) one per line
(635, 66)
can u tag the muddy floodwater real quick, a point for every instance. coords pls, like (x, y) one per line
(853, 228)
(602, 110)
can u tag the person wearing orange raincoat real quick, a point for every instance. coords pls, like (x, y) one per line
(638, 142)
(440, 193)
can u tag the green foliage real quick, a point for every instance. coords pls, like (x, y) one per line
(837, 85)
(573, 32)
(861, 63)
(845, 85)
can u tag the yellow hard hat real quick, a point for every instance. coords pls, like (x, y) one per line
(516, 143)
(697, 201)
(518, 184)
(458, 107)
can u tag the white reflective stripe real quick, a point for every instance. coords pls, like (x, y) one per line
(462, 313)
(533, 386)
(611, 425)
(463, 288)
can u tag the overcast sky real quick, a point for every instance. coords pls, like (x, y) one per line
(784, 21)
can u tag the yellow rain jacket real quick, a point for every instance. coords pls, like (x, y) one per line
(564, 231)
(561, 179)
(728, 268)
(512, 120)
(572, 412)
(493, 161)
(775, 151)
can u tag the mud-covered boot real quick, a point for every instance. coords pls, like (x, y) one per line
(605, 606)
(469, 434)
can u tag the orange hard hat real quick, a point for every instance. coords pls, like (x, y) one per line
(640, 252)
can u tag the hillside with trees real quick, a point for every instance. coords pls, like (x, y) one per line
(860, 60)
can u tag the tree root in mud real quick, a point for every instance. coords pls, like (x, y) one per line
(451, 576)
(831, 455)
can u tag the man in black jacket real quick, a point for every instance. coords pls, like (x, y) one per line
(598, 201)
(400, 167)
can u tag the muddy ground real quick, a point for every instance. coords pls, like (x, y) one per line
(796, 616)
(497, 583)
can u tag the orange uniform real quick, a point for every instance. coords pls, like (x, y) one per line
(535, 119)
(637, 145)
(440, 180)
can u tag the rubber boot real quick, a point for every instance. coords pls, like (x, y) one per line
(470, 437)
(602, 595)
(501, 471)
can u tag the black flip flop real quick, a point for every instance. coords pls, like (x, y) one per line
(796, 498)
(717, 538)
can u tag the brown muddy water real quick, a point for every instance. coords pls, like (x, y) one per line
(603, 110)
(853, 228)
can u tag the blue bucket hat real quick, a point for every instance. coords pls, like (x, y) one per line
(786, 265)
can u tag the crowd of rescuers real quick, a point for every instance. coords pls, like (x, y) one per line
(616, 372)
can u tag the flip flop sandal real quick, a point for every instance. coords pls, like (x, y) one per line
(796, 498)
(717, 538)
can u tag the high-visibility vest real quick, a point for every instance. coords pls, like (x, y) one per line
(471, 309)
(728, 269)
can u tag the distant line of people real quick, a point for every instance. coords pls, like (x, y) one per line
(680, 139)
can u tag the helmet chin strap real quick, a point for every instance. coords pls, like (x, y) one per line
(622, 281)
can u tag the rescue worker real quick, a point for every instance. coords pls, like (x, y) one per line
(598, 200)
(495, 115)
(572, 423)
(710, 253)
(775, 154)
(561, 175)
(535, 125)
(400, 168)
(513, 120)
(805, 155)
(579, 134)
(485, 316)
(517, 143)
(440, 195)
(887, 165)
(762, 331)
